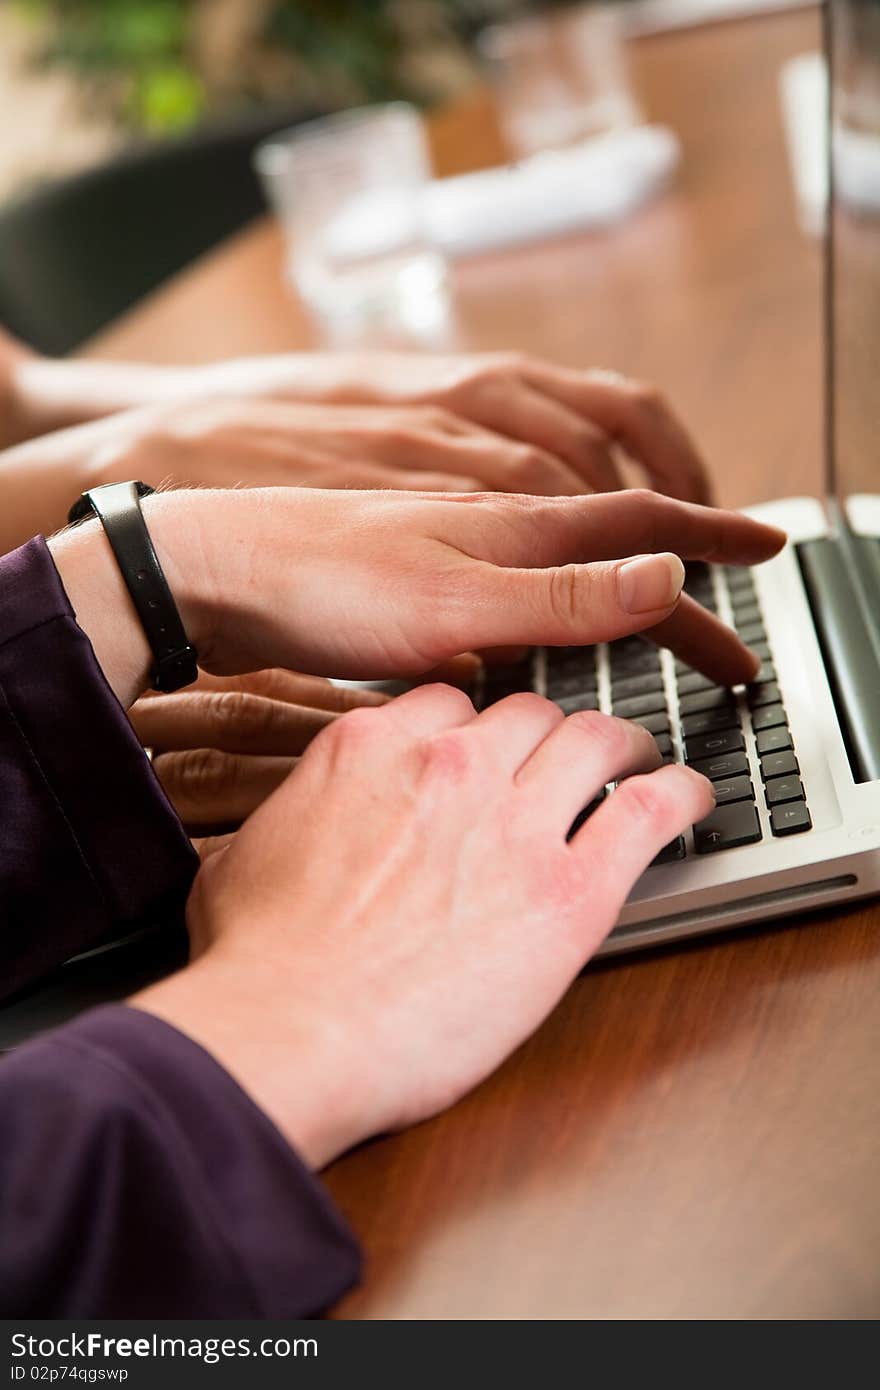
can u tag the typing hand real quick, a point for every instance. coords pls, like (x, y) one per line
(580, 418)
(265, 442)
(404, 911)
(363, 585)
(368, 585)
(507, 421)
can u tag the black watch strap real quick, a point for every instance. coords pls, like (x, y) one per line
(118, 507)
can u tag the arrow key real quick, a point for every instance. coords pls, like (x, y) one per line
(727, 827)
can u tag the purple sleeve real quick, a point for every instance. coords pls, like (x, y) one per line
(138, 1180)
(90, 847)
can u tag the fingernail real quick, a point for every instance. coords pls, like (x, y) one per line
(650, 582)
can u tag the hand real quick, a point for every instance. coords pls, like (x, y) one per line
(229, 442)
(223, 745)
(263, 442)
(404, 911)
(579, 417)
(361, 584)
(518, 423)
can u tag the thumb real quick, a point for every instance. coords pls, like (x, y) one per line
(575, 604)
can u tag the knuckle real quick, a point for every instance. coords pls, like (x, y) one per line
(198, 773)
(525, 702)
(513, 361)
(595, 725)
(611, 734)
(241, 712)
(642, 499)
(348, 734)
(564, 596)
(645, 798)
(436, 419)
(528, 466)
(647, 398)
(447, 757)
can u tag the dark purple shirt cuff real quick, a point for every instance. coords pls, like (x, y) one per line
(137, 1179)
(90, 847)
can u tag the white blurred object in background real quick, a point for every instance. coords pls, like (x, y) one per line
(803, 91)
(589, 185)
(559, 78)
(855, 147)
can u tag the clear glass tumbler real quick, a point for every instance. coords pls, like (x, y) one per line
(348, 190)
(560, 77)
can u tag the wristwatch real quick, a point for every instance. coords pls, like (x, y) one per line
(118, 508)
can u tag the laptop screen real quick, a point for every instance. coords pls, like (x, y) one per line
(853, 305)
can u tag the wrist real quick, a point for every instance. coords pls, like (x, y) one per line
(103, 606)
(292, 1059)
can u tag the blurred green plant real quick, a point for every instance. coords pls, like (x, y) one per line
(160, 65)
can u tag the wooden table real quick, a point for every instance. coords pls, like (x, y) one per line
(692, 1134)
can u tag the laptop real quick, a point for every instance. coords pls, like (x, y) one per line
(794, 757)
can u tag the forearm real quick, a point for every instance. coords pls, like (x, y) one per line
(116, 1106)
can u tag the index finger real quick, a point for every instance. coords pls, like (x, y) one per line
(637, 417)
(546, 531)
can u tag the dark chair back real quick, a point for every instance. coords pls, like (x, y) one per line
(77, 252)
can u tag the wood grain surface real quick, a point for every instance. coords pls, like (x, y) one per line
(693, 1134)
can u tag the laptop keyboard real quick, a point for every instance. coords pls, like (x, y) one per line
(739, 739)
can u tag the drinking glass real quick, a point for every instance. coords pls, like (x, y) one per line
(348, 190)
(560, 77)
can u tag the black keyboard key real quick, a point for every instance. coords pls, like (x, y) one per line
(571, 704)
(572, 658)
(762, 650)
(670, 853)
(501, 681)
(729, 789)
(727, 827)
(738, 579)
(722, 767)
(766, 672)
(792, 819)
(664, 745)
(714, 745)
(628, 648)
(765, 693)
(637, 705)
(622, 687)
(751, 633)
(773, 740)
(781, 789)
(693, 681)
(562, 684)
(768, 717)
(778, 765)
(716, 697)
(744, 613)
(634, 663)
(568, 681)
(710, 721)
(655, 723)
